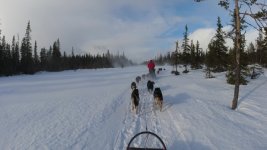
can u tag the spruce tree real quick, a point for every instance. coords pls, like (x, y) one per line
(64, 61)
(198, 56)
(43, 59)
(261, 48)
(49, 59)
(264, 62)
(8, 61)
(56, 56)
(36, 58)
(4, 57)
(259, 16)
(26, 52)
(193, 55)
(210, 60)
(73, 62)
(13, 46)
(175, 58)
(251, 50)
(1, 56)
(15, 56)
(186, 50)
(218, 49)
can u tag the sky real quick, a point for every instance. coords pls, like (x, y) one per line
(142, 29)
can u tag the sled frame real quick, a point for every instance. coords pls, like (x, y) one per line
(146, 132)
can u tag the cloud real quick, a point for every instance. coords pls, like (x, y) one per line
(203, 36)
(140, 28)
(89, 25)
(251, 36)
(137, 39)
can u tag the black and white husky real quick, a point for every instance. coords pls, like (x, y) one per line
(138, 79)
(133, 86)
(135, 97)
(158, 98)
(150, 86)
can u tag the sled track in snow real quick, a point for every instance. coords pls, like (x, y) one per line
(178, 128)
(145, 120)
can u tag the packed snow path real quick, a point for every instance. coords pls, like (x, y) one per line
(146, 119)
(90, 109)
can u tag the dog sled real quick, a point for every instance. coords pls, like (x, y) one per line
(152, 74)
(146, 140)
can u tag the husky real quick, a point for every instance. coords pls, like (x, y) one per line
(133, 86)
(150, 86)
(158, 98)
(138, 79)
(135, 100)
(134, 97)
(143, 76)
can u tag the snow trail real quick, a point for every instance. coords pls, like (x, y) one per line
(146, 119)
(90, 109)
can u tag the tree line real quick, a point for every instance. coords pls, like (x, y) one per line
(238, 57)
(16, 58)
(218, 57)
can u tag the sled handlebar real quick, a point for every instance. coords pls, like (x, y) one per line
(146, 132)
(135, 148)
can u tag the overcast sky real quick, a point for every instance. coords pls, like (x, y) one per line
(140, 28)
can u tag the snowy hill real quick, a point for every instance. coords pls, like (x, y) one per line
(90, 109)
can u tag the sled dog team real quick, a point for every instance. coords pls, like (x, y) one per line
(158, 98)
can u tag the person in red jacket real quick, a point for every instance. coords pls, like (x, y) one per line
(151, 68)
(151, 65)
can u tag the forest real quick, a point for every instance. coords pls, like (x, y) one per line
(23, 58)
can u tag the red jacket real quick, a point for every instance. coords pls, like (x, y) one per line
(151, 65)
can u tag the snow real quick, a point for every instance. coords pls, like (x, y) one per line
(90, 109)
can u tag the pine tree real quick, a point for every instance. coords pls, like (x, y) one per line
(218, 49)
(73, 63)
(26, 52)
(259, 16)
(5, 52)
(175, 59)
(36, 58)
(251, 53)
(15, 56)
(49, 59)
(43, 59)
(186, 50)
(56, 57)
(8, 61)
(261, 48)
(13, 46)
(65, 61)
(198, 56)
(1, 56)
(193, 55)
(210, 60)
(264, 62)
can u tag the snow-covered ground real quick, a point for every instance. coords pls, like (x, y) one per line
(90, 109)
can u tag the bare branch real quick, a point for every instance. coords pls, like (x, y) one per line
(253, 26)
(261, 4)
